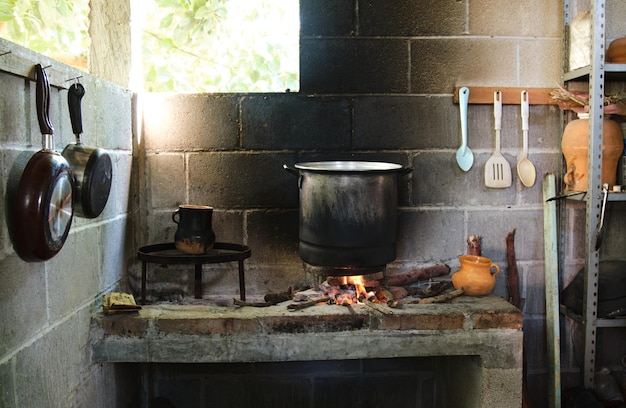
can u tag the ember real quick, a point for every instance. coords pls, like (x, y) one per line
(348, 290)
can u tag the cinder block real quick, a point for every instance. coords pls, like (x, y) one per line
(273, 236)
(407, 18)
(114, 117)
(7, 392)
(38, 370)
(327, 18)
(353, 66)
(534, 18)
(421, 234)
(405, 122)
(166, 180)
(438, 180)
(118, 202)
(191, 121)
(242, 180)
(292, 121)
(440, 64)
(540, 56)
(494, 225)
(15, 111)
(228, 226)
(23, 294)
(115, 241)
(74, 273)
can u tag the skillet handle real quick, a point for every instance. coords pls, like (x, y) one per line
(74, 97)
(42, 99)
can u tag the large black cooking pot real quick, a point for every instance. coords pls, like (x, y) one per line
(348, 212)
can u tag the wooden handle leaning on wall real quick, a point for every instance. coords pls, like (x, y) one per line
(483, 95)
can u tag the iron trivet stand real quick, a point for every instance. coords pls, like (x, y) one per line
(168, 254)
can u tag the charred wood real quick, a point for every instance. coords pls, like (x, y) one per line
(473, 245)
(434, 289)
(443, 298)
(308, 303)
(416, 275)
(512, 275)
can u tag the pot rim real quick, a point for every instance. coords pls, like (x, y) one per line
(352, 166)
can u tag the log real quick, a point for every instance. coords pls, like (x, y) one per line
(279, 297)
(473, 245)
(378, 307)
(398, 292)
(415, 275)
(443, 298)
(512, 276)
(433, 290)
(238, 302)
(308, 303)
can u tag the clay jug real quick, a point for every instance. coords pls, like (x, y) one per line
(477, 275)
(194, 234)
(575, 147)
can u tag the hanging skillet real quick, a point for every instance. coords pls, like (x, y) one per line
(91, 166)
(44, 205)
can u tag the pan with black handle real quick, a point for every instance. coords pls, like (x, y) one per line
(44, 203)
(90, 165)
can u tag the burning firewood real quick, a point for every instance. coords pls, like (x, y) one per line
(415, 275)
(378, 307)
(385, 296)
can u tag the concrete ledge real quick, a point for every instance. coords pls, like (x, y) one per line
(485, 326)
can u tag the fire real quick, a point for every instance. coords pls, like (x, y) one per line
(348, 290)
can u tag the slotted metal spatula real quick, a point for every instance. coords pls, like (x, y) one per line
(497, 168)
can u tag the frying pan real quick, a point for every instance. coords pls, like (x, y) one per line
(44, 207)
(91, 166)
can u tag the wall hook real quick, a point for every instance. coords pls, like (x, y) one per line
(76, 79)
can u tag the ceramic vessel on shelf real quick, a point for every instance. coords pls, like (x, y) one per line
(477, 275)
(616, 53)
(194, 234)
(575, 147)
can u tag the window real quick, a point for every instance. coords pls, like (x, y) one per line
(188, 45)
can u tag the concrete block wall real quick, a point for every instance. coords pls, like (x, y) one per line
(376, 84)
(45, 358)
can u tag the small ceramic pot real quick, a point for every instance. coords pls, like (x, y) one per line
(194, 234)
(477, 275)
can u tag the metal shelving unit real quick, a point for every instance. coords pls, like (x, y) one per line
(595, 74)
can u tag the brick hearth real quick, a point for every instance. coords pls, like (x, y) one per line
(485, 327)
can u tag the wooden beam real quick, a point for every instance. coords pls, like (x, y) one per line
(483, 95)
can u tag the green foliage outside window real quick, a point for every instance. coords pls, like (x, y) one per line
(188, 45)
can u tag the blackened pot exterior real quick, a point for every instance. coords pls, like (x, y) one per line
(348, 213)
